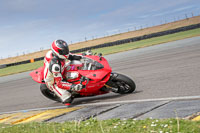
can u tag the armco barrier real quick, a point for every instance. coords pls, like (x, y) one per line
(22, 62)
(119, 42)
(18, 63)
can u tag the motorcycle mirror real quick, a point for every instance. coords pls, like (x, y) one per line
(100, 56)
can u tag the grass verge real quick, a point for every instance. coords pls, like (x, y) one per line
(20, 68)
(111, 50)
(148, 42)
(107, 126)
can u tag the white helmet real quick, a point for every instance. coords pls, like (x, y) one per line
(60, 49)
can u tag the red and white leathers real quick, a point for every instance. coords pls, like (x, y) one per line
(54, 71)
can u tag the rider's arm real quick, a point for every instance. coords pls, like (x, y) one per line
(63, 85)
(56, 71)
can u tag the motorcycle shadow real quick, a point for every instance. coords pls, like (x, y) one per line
(99, 98)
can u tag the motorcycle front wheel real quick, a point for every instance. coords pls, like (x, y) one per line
(121, 84)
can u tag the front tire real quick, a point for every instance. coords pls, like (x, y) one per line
(122, 84)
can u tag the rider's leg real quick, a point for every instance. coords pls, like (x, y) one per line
(64, 95)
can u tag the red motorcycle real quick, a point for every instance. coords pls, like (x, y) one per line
(94, 73)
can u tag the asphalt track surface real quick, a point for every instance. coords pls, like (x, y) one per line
(169, 70)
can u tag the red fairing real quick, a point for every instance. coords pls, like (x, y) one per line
(38, 75)
(98, 78)
(94, 86)
(97, 75)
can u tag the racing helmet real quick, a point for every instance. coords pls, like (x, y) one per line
(60, 49)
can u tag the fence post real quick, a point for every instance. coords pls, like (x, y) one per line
(186, 16)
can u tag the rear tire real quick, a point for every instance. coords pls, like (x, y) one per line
(48, 93)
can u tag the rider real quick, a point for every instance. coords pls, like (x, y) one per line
(55, 69)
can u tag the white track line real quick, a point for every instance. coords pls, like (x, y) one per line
(144, 100)
(114, 102)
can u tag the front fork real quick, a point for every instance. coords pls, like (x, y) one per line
(111, 82)
(112, 79)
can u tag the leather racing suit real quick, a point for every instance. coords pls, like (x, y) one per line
(54, 73)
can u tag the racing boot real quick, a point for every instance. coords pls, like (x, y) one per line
(64, 95)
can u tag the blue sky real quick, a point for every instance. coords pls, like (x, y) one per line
(28, 25)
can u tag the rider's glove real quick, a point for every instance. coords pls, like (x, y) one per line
(77, 87)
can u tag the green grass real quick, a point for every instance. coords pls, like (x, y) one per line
(20, 68)
(111, 50)
(107, 126)
(148, 42)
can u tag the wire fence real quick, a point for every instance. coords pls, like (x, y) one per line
(114, 43)
(113, 32)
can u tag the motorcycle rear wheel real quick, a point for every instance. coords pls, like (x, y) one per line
(49, 94)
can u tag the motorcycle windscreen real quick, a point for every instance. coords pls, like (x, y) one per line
(38, 75)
